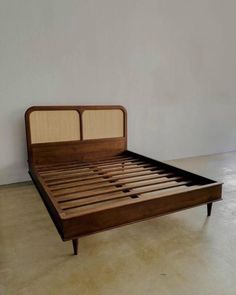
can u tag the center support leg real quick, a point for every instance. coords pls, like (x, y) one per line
(209, 207)
(75, 243)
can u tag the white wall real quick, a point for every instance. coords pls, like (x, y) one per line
(170, 63)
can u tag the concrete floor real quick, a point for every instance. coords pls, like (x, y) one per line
(182, 253)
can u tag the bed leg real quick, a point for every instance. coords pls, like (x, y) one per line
(75, 243)
(209, 207)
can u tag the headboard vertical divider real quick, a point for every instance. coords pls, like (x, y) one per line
(81, 124)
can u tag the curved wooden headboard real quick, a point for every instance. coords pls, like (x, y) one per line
(75, 133)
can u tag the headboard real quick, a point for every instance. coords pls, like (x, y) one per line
(74, 133)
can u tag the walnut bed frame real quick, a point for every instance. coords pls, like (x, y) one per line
(89, 181)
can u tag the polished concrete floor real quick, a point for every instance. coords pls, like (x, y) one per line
(184, 253)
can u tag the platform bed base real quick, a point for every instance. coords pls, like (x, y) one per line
(89, 181)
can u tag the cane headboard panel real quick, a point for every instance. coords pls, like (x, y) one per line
(54, 126)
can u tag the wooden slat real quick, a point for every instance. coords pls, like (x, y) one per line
(93, 167)
(102, 198)
(92, 174)
(75, 190)
(107, 177)
(109, 204)
(58, 187)
(79, 196)
(42, 167)
(92, 164)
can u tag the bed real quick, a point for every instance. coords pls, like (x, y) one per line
(89, 181)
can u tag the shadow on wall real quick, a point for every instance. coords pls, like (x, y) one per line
(14, 171)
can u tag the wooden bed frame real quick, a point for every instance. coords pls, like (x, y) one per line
(90, 182)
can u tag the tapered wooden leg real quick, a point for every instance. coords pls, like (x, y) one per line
(75, 243)
(209, 206)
